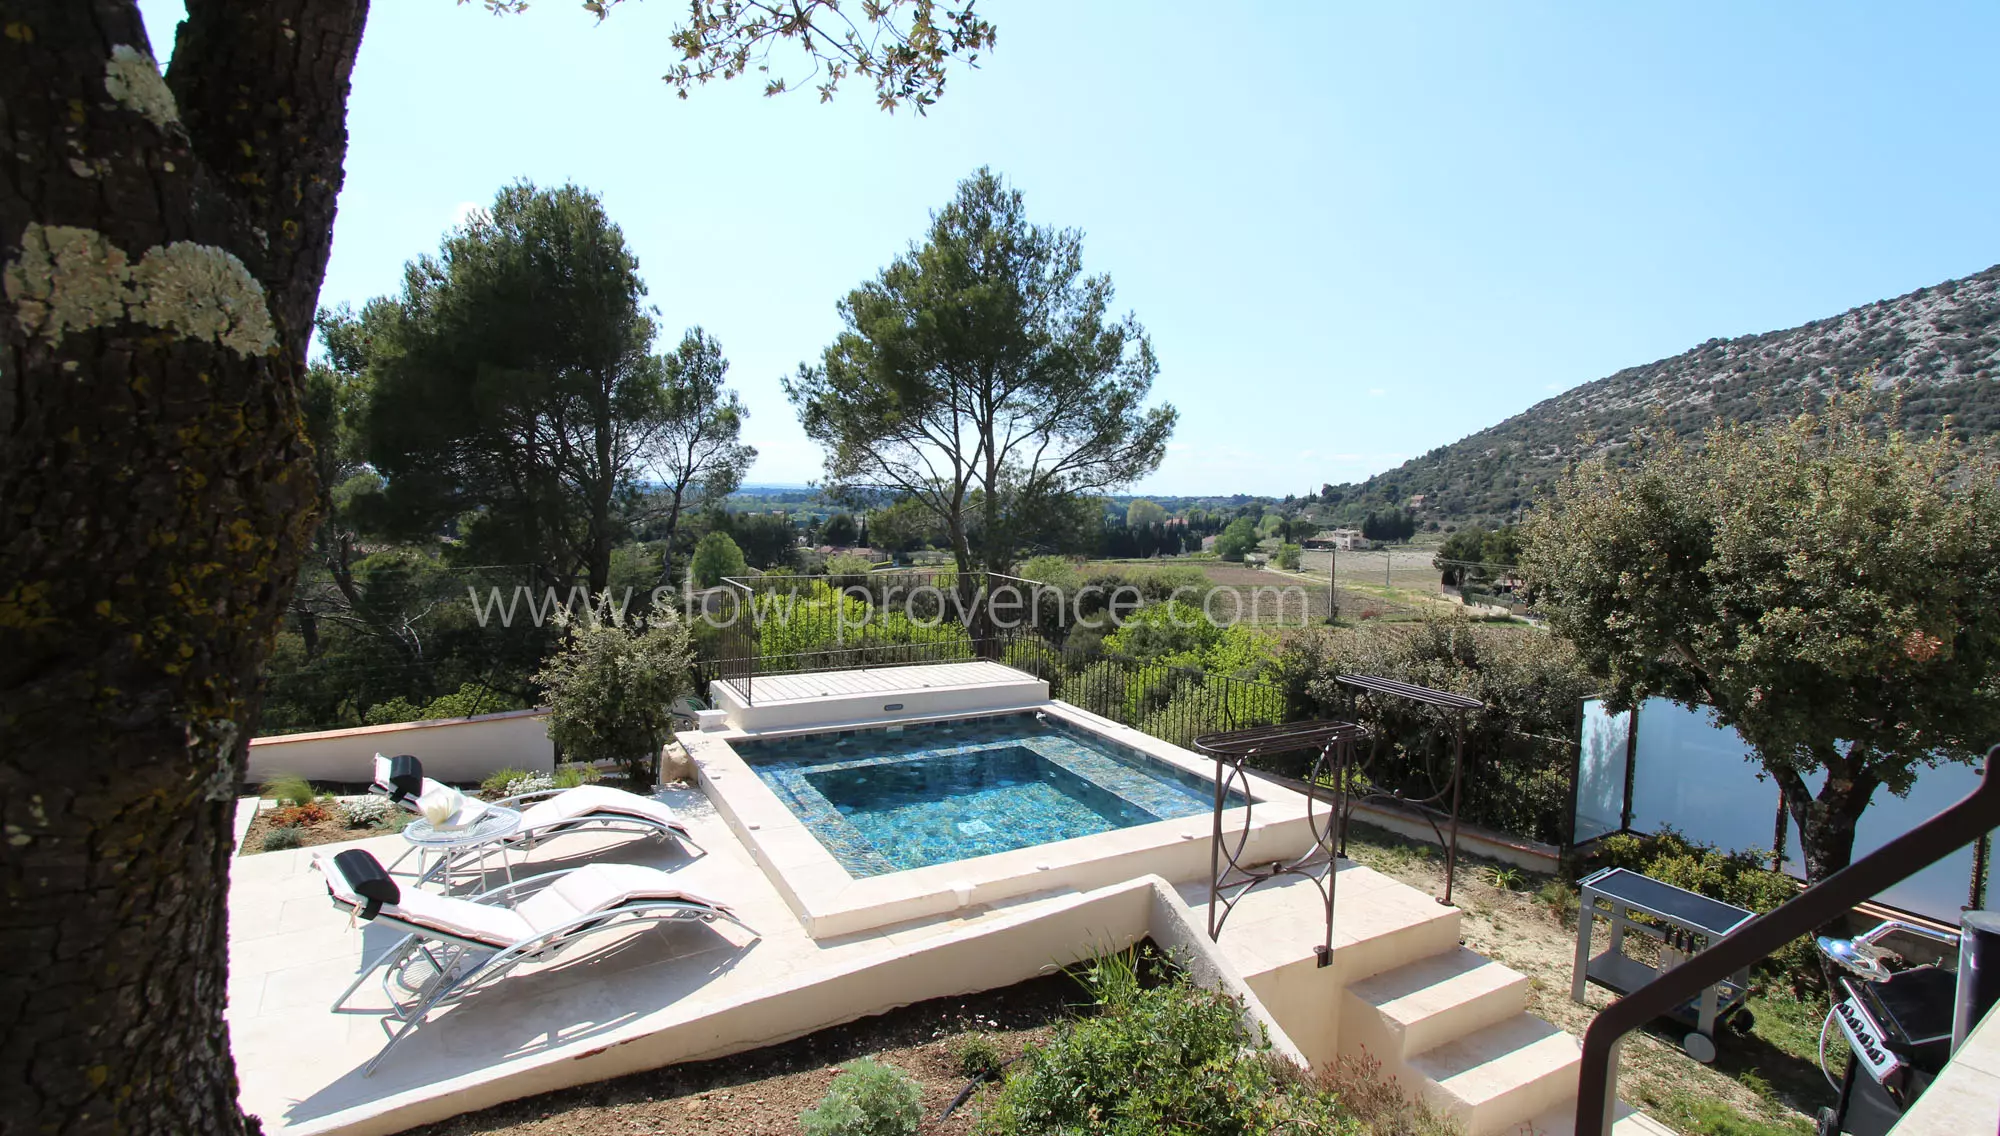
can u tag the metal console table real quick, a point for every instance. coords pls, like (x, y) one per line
(1682, 923)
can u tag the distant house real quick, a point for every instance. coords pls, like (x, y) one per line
(1416, 501)
(1337, 538)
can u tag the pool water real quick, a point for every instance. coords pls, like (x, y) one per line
(888, 799)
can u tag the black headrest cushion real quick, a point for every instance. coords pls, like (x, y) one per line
(367, 879)
(406, 777)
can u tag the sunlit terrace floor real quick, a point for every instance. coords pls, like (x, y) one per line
(673, 993)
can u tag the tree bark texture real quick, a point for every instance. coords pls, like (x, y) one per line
(1827, 821)
(164, 244)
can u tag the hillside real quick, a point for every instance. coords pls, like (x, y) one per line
(1940, 346)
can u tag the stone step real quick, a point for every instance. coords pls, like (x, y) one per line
(1378, 925)
(1495, 1078)
(1560, 1120)
(1401, 1013)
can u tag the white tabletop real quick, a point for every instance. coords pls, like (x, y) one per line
(492, 824)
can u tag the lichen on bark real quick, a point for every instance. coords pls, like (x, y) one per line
(203, 292)
(65, 279)
(132, 78)
(72, 279)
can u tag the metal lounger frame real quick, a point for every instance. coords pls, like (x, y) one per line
(455, 978)
(527, 839)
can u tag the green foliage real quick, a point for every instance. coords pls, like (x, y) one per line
(1531, 684)
(818, 618)
(1170, 1058)
(1240, 537)
(1390, 525)
(976, 1055)
(397, 709)
(571, 774)
(469, 700)
(867, 1099)
(1034, 657)
(839, 530)
(610, 686)
(694, 455)
(288, 789)
(1288, 556)
(512, 390)
(987, 328)
(848, 564)
(905, 526)
(1831, 593)
(1467, 556)
(715, 557)
(282, 837)
(1143, 512)
(498, 781)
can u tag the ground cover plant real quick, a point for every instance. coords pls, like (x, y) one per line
(1160, 1055)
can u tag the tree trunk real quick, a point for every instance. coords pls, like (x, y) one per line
(1827, 821)
(162, 262)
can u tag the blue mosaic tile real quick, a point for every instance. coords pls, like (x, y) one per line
(888, 799)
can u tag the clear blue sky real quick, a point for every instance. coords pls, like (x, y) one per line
(1354, 232)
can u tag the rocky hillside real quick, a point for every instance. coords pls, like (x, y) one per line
(1940, 346)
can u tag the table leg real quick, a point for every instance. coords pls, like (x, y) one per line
(1586, 922)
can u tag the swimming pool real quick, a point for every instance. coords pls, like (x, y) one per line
(892, 798)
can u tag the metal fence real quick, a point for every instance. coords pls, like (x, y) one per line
(782, 624)
(1174, 704)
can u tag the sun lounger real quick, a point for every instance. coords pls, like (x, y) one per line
(547, 813)
(455, 945)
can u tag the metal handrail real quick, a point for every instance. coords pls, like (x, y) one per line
(1811, 909)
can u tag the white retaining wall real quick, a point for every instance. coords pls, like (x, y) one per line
(452, 749)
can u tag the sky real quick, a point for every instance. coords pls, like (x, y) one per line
(1353, 232)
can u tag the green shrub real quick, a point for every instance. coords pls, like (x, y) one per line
(976, 1055)
(1167, 1058)
(867, 1099)
(610, 685)
(571, 774)
(497, 781)
(397, 709)
(289, 789)
(1288, 556)
(282, 837)
(1034, 657)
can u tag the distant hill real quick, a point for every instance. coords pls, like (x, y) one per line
(1940, 346)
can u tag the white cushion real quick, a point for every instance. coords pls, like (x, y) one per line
(597, 800)
(601, 887)
(482, 922)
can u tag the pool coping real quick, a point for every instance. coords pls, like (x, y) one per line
(831, 902)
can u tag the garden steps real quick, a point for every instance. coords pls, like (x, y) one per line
(1560, 1120)
(1408, 1011)
(1494, 1078)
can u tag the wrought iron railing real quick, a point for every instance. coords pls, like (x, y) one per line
(1175, 704)
(1813, 908)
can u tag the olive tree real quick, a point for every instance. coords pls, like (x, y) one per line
(1831, 591)
(612, 683)
(162, 244)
